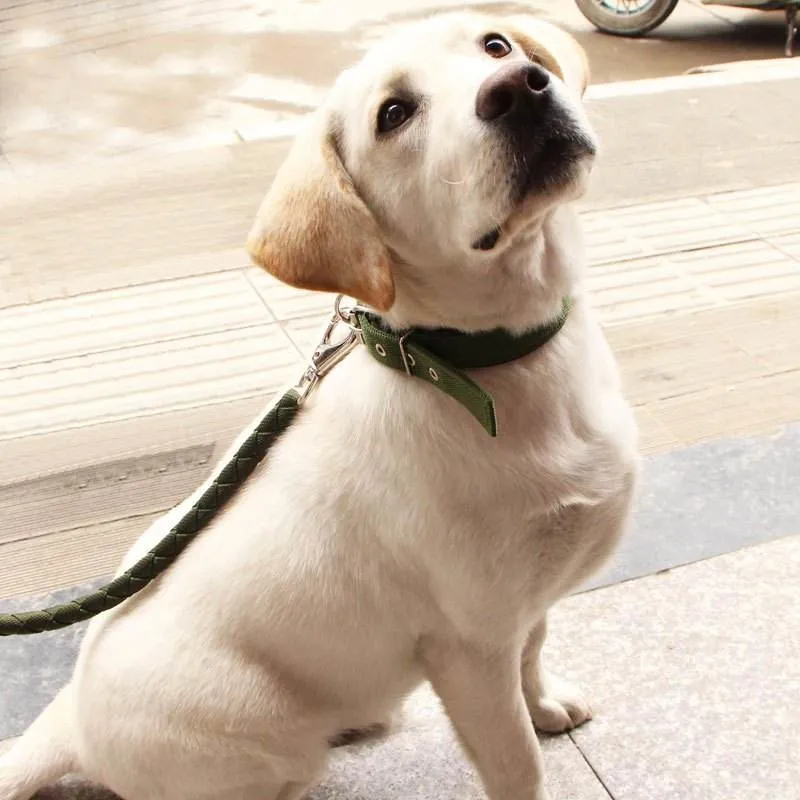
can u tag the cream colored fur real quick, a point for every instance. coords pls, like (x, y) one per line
(387, 540)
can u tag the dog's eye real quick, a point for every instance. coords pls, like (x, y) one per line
(495, 45)
(394, 113)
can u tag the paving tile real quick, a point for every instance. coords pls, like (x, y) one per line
(286, 302)
(646, 229)
(102, 483)
(35, 667)
(759, 405)
(89, 273)
(40, 454)
(150, 218)
(766, 210)
(693, 280)
(422, 760)
(654, 371)
(40, 564)
(789, 243)
(654, 435)
(607, 242)
(150, 313)
(634, 273)
(777, 313)
(145, 379)
(124, 488)
(693, 676)
(701, 501)
(643, 288)
(425, 760)
(741, 271)
(773, 341)
(306, 332)
(700, 376)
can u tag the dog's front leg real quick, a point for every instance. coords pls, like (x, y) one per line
(482, 694)
(554, 704)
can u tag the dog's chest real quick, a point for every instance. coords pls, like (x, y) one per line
(563, 438)
(528, 515)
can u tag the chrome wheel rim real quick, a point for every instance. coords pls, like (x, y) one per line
(626, 8)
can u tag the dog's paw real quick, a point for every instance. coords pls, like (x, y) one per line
(558, 707)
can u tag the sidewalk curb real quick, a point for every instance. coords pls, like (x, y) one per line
(765, 66)
(711, 77)
(700, 78)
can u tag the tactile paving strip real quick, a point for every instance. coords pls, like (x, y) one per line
(693, 253)
(697, 295)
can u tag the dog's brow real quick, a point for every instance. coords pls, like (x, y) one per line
(399, 83)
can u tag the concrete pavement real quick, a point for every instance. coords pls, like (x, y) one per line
(115, 400)
(83, 79)
(135, 341)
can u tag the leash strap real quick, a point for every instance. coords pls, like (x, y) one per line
(222, 488)
(433, 356)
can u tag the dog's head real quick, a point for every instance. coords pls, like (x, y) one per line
(430, 165)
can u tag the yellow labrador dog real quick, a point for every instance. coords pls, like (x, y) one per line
(388, 540)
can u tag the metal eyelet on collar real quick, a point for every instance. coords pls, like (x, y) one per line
(444, 356)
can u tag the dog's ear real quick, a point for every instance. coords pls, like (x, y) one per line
(313, 231)
(554, 49)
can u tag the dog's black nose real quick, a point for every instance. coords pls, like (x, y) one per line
(514, 88)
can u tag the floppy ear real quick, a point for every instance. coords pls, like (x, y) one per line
(313, 231)
(554, 49)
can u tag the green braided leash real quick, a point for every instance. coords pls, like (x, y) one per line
(435, 356)
(150, 566)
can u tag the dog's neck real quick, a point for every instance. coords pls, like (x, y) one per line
(520, 287)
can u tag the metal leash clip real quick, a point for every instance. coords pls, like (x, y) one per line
(327, 354)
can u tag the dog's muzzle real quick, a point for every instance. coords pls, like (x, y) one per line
(544, 139)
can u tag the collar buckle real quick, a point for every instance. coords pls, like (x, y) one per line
(408, 359)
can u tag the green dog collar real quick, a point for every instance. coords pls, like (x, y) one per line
(438, 356)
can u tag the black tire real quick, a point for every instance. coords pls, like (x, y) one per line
(635, 23)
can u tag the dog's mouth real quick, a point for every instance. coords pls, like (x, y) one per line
(554, 165)
(542, 166)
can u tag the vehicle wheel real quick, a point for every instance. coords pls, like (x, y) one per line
(626, 17)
